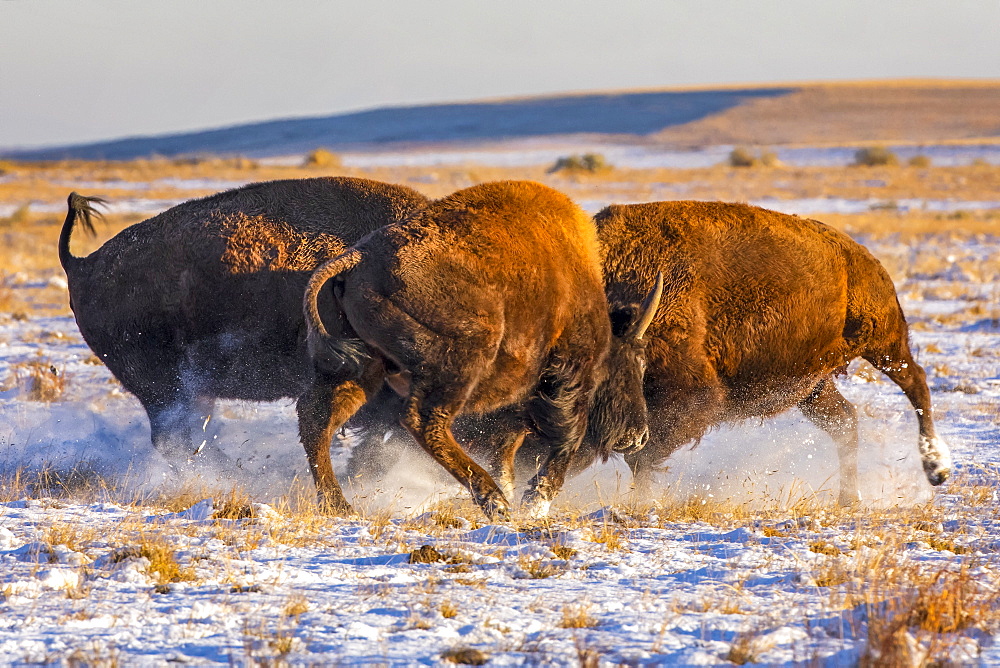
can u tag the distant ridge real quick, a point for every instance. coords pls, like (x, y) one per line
(630, 113)
(912, 111)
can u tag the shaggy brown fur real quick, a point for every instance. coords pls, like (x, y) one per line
(490, 301)
(205, 301)
(759, 310)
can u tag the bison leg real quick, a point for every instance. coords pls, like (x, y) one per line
(430, 424)
(827, 408)
(910, 377)
(322, 410)
(643, 464)
(177, 427)
(502, 460)
(496, 439)
(372, 456)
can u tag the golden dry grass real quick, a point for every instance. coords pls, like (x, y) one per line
(577, 617)
(31, 283)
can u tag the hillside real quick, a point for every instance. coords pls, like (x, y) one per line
(842, 113)
(903, 112)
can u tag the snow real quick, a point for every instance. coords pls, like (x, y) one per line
(525, 152)
(618, 583)
(800, 206)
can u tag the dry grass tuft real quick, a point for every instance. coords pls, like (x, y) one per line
(822, 547)
(744, 649)
(588, 163)
(577, 617)
(236, 505)
(296, 605)
(707, 509)
(466, 656)
(9, 302)
(163, 564)
(539, 569)
(875, 156)
(41, 379)
(426, 554)
(611, 537)
(744, 157)
(96, 655)
(20, 217)
(833, 573)
(81, 483)
(322, 158)
(563, 552)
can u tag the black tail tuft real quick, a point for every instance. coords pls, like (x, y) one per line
(81, 210)
(338, 356)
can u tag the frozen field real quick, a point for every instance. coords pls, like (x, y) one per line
(739, 558)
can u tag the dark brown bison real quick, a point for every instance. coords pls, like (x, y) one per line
(759, 311)
(204, 300)
(490, 302)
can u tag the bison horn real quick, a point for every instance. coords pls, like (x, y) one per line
(648, 309)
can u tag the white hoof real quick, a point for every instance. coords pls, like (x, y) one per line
(538, 508)
(936, 457)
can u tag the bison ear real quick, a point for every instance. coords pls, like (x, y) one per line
(622, 319)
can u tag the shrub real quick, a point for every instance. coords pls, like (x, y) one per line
(744, 157)
(919, 161)
(741, 157)
(592, 163)
(768, 159)
(19, 216)
(322, 158)
(875, 156)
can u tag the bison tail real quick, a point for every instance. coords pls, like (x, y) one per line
(80, 209)
(341, 353)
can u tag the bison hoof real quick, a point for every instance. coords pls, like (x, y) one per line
(539, 509)
(936, 475)
(535, 504)
(632, 444)
(937, 459)
(849, 497)
(495, 507)
(336, 508)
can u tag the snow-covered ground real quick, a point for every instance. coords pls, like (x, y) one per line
(754, 568)
(810, 206)
(526, 152)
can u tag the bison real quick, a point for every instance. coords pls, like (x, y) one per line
(760, 311)
(490, 302)
(204, 300)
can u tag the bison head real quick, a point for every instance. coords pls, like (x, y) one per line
(618, 421)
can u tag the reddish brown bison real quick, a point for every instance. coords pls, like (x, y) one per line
(489, 302)
(204, 301)
(759, 311)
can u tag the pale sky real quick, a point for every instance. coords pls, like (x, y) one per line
(84, 70)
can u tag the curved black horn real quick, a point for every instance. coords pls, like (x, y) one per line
(648, 309)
